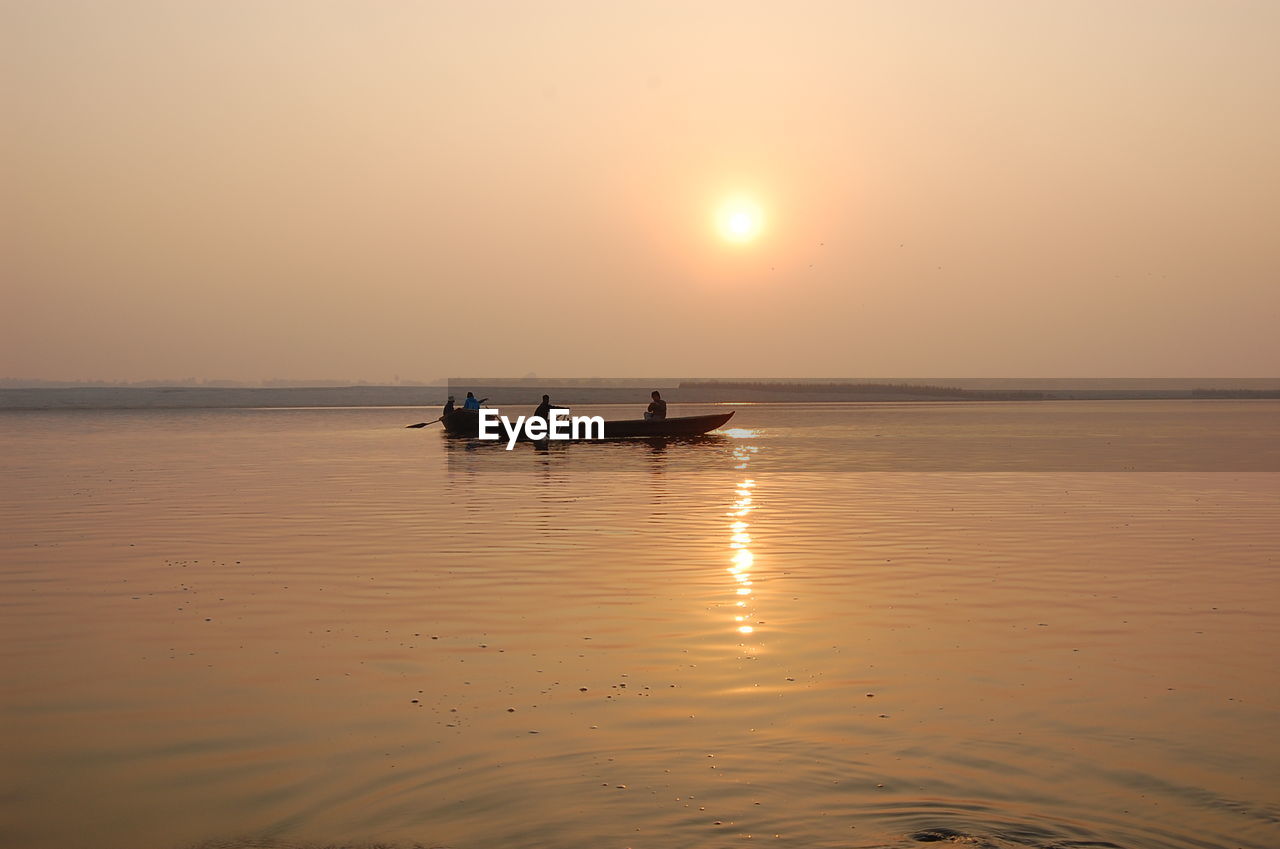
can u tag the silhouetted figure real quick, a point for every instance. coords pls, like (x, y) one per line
(545, 408)
(448, 408)
(657, 407)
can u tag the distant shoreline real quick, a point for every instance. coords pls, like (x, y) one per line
(599, 392)
(805, 391)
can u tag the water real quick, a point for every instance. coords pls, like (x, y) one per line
(841, 625)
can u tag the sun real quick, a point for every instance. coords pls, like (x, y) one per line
(739, 219)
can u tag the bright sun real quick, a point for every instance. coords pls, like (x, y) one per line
(739, 220)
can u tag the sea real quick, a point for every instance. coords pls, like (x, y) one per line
(1032, 624)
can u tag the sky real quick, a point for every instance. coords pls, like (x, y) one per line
(373, 190)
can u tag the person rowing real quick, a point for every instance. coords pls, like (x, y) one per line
(472, 403)
(657, 408)
(545, 408)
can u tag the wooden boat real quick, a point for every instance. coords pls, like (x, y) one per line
(679, 426)
(467, 423)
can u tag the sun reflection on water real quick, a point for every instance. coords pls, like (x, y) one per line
(742, 560)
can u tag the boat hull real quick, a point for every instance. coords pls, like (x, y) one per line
(467, 423)
(680, 426)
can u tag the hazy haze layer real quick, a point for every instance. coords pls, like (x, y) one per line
(243, 190)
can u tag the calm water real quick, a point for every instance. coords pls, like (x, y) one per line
(997, 625)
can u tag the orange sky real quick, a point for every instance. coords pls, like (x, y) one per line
(243, 189)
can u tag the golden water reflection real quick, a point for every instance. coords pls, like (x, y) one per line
(741, 558)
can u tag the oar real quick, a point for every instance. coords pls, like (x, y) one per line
(425, 424)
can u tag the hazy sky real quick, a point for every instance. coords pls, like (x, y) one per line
(245, 189)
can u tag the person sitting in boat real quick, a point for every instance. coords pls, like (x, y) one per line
(448, 408)
(472, 403)
(657, 408)
(545, 408)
